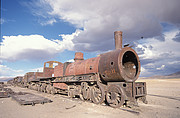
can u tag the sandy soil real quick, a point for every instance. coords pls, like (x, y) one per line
(163, 102)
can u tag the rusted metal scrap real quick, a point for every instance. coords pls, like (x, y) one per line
(5, 92)
(29, 99)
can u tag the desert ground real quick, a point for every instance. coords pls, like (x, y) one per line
(163, 102)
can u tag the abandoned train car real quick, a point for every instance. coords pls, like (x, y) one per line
(109, 77)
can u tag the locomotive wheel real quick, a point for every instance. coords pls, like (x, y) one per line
(97, 94)
(53, 91)
(43, 88)
(48, 89)
(85, 91)
(115, 96)
(38, 88)
(30, 86)
(70, 93)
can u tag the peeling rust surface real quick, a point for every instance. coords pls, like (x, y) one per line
(78, 56)
(83, 67)
(118, 39)
(60, 85)
(140, 89)
(49, 66)
(119, 65)
(58, 70)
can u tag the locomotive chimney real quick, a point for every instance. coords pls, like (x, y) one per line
(78, 56)
(118, 39)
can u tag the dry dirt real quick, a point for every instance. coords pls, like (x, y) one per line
(163, 102)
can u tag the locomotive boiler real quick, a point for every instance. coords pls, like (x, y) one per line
(109, 77)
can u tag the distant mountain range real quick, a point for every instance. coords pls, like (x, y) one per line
(170, 76)
(177, 74)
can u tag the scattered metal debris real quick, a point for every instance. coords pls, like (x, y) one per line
(71, 107)
(5, 92)
(131, 111)
(29, 99)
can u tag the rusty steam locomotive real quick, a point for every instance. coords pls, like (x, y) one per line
(108, 78)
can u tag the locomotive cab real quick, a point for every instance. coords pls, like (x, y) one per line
(49, 66)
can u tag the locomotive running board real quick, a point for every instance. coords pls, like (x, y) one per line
(91, 77)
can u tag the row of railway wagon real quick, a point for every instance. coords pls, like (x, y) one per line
(108, 78)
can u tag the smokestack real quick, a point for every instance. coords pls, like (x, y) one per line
(118, 39)
(78, 56)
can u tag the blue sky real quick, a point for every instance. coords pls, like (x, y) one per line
(35, 31)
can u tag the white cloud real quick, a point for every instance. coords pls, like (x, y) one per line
(67, 40)
(6, 71)
(23, 47)
(34, 46)
(99, 19)
(159, 57)
(40, 69)
(161, 68)
(70, 60)
(144, 72)
(154, 49)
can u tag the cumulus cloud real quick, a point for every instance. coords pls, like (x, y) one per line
(34, 46)
(24, 47)
(153, 48)
(159, 57)
(99, 19)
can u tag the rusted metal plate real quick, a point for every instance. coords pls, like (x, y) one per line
(78, 56)
(29, 99)
(92, 65)
(70, 70)
(48, 72)
(140, 89)
(60, 85)
(58, 70)
(5, 92)
(83, 67)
